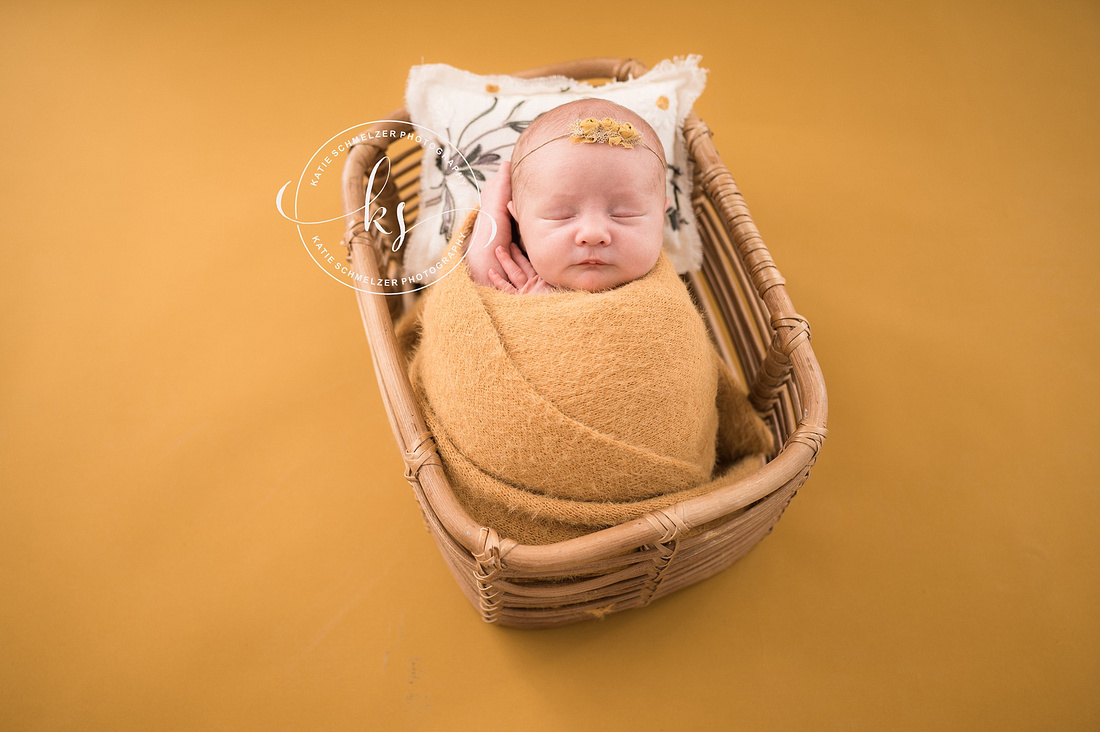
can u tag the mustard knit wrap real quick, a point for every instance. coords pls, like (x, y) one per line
(560, 414)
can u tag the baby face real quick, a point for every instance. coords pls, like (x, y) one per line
(591, 216)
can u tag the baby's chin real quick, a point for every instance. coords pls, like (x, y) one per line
(595, 279)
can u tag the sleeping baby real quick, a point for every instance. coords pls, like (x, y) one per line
(590, 216)
(603, 398)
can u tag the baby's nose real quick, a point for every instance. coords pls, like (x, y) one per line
(592, 231)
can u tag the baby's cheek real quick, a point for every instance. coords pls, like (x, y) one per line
(544, 270)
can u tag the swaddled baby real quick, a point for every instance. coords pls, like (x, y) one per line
(597, 396)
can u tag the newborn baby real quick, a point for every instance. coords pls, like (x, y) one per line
(586, 186)
(603, 400)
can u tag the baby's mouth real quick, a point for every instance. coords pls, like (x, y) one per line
(591, 260)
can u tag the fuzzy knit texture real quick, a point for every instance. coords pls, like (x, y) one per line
(560, 414)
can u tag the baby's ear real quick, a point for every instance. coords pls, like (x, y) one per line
(512, 210)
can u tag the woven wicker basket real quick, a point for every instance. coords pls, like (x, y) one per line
(757, 331)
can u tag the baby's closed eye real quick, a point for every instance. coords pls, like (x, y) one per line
(616, 214)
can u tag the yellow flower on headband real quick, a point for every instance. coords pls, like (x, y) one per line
(608, 130)
(629, 134)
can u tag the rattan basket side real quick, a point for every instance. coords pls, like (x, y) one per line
(758, 332)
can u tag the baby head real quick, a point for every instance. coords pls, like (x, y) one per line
(591, 216)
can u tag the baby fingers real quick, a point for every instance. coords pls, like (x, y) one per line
(516, 275)
(522, 261)
(500, 283)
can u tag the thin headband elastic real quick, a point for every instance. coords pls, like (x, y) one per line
(611, 131)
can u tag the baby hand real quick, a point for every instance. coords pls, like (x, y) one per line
(494, 210)
(519, 276)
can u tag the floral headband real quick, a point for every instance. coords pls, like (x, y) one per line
(611, 131)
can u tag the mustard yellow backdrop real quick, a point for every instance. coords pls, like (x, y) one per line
(192, 441)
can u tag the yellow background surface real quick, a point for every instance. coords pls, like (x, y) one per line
(203, 518)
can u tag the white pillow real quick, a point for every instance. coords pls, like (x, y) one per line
(483, 115)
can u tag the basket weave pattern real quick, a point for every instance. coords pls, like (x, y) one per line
(745, 302)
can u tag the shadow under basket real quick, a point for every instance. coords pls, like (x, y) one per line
(756, 329)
